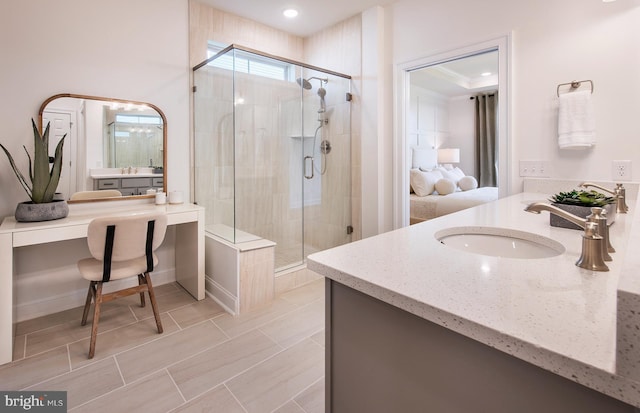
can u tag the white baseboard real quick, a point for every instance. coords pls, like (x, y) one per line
(76, 298)
(221, 296)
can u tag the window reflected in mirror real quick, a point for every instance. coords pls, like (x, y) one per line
(132, 139)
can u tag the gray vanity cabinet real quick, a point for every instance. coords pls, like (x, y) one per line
(380, 359)
(129, 185)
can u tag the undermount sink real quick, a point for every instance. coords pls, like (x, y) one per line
(499, 242)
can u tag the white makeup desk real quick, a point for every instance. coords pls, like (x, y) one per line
(189, 250)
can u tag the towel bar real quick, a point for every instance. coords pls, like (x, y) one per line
(574, 85)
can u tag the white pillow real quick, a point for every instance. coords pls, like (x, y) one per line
(467, 183)
(450, 175)
(458, 172)
(445, 186)
(423, 183)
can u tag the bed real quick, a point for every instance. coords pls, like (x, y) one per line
(436, 191)
(423, 208)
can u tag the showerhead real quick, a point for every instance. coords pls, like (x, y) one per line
(304, 83)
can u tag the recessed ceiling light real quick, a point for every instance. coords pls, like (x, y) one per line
(290, 13)
(608, 1)
(485, 74)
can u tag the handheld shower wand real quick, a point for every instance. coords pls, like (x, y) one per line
(322, 92)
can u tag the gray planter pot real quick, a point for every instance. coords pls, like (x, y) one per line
(30, 212)
(580, 211)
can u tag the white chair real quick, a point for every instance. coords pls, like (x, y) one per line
(122, 247)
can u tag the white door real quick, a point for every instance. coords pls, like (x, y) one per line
(60, 125)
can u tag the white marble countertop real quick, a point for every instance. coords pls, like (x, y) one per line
(545, 311)
(138, 172)
(82, 214)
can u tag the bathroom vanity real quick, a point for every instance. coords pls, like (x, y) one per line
(414, 325)
(188, 220)
(128, 182)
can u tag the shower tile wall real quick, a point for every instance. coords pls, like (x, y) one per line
(326, 222)
(213, 105)
(268, 156)
(262, 154)
(264, 160)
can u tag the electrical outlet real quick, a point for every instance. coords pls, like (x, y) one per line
(621, 170)
(539, 169)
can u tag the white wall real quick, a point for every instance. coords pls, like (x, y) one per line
(375, 125)
(135, 50)
(553, 42)
(129, 50)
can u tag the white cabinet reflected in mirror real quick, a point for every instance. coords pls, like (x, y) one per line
(111, 144)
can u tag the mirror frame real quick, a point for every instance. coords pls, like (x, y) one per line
(133, 102)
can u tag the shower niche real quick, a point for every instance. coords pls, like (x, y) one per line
(272, 161)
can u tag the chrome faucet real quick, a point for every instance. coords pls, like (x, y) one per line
(594, 245)
(599, 216)
(619, 192)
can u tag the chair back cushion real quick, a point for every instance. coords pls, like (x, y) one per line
(130, 236)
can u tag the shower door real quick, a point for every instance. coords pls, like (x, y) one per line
(326, 175)
(273, 153)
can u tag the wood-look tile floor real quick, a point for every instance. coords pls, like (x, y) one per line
(268, 360)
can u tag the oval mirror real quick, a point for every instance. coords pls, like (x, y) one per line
(114, 149)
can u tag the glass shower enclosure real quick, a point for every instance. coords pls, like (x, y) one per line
(273, 152)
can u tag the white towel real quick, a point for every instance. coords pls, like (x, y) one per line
(576, 120)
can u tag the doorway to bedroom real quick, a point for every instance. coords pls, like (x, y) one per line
(452, 111)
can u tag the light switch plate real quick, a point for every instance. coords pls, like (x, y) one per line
(539, 169)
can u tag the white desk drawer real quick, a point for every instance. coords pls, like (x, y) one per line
(42, 236)
(182, 217)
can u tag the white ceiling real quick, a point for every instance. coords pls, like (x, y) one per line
(455, 78)
(314, 15)
(459, 77)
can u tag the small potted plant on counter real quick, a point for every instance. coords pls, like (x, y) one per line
(579, 203)
(42, 181)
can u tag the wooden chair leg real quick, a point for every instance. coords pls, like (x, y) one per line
(141, 281)
(154, 305)
(96, 317)
(87, 304)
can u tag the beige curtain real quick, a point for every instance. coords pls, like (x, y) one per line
(486, 142)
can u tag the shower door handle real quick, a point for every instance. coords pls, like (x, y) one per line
(306, 158)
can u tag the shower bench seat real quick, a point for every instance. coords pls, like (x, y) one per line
(239, 275)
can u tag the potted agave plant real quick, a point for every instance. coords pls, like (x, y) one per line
(42, 181)
(579, 203)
